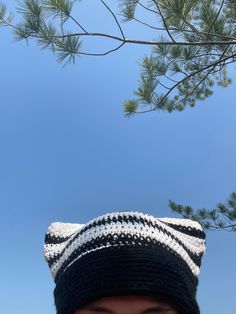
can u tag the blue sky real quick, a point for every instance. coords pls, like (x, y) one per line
(68, 154)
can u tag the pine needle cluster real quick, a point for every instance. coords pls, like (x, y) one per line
(222, 217)
(194, 42)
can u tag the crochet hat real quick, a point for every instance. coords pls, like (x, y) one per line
(125, 253)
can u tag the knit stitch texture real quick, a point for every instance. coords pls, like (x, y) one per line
(125, 253)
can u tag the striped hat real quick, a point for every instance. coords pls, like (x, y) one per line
(125, 253)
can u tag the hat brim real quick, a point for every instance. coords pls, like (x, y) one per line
(127, 270)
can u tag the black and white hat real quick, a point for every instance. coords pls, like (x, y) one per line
(125, 253)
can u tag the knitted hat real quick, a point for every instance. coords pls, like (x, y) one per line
(125, 253)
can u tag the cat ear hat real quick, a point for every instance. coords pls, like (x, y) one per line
(125, 253)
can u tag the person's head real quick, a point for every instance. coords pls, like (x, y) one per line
(125, 260)
(129, 305)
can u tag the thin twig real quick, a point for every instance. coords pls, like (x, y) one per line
(146, 8)
(218, 13)
(148, 25)
(76, 22)
(101, 54)
(115, 18)
(159, 82)
(164, 21)
(193, 28)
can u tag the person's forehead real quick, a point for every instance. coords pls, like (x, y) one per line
(131, 298)
(128, 304)
(136, 302)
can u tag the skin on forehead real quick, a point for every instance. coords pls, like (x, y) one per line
(128, 305)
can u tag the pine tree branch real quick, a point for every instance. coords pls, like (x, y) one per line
(141, 42)
(193, 30)
(184, 79)
(192, 49)
(223, 217)
(183, 30)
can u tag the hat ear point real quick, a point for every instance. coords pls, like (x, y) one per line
(63, 229)
(57, 236)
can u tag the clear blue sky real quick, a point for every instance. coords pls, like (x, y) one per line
(68, 154)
